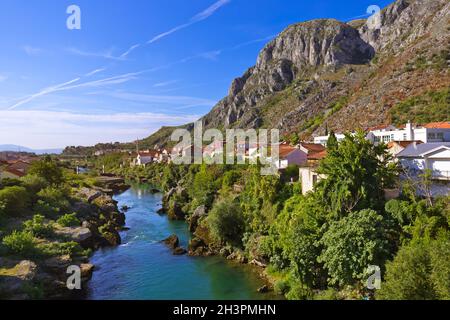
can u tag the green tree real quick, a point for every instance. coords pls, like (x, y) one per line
(226, 222)
(419, 271)
(48, 170)
(15, 200)
(351, 245)
(356, 173)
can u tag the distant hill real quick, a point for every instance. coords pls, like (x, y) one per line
(16, 148)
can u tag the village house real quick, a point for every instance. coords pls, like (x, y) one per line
(434, 157)
(323, 140)
(308, 171)
(427, 133)
(395, 147)
(144, 158)
(289, 155)
(427, 156)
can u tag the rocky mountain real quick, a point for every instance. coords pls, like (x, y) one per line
(326, 74)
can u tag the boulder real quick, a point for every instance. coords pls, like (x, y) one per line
(58, 264)
(26, 270)
(86, 271)
(179, 251)
(172, 242)
(88, 195)
(199, 213)
(263, 289)
(81, 235)
(175, 212)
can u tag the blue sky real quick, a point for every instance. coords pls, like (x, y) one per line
(135, 65)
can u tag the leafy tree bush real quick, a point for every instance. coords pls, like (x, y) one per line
(420, 271)
(69, 220)
(15, 201)
(48, 170)
(226, 222)
(38, 227)
(351, 245)
(33, 183)
(357, 171)
(20, 242)
(55, 197)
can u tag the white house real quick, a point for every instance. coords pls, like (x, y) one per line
(309, 178)
(432, 156)
(324, 139)
(428, 133)
(144, 158)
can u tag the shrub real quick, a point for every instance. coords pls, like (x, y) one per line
(226, 222)
(20, 242)
(38, 227)
(55, 197)
(47, 210)
(15, 200)
(34, 183)
(420, 271)
(62, 248)
(69, 220)
(282, 287)
(351, 244)
(48, 170)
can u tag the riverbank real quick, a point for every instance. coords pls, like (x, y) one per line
(38, 270)
(142, 267)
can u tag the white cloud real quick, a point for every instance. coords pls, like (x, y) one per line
(106, 54)
(32, 51)
(205, 14)
(209, 11)
(164, 84)
(131, 49)
(178, 101)
(69, 85)
(52, 129)
(89, 74)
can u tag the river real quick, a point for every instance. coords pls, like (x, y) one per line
(144, 269)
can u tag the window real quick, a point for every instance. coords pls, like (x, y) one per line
(405, 137)
(392, 137)
(314, 179)
(431, 135)
(440, 135)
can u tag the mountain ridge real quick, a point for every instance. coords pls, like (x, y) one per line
(325, 74)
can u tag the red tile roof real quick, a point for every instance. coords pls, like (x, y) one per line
(286, 150)
(313, 147)
(438, 125)
(317, 155)
(403, 144)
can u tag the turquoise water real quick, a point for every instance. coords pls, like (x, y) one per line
(143, 268)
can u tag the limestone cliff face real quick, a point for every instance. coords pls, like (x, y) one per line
(296, 51)
(329, 74)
